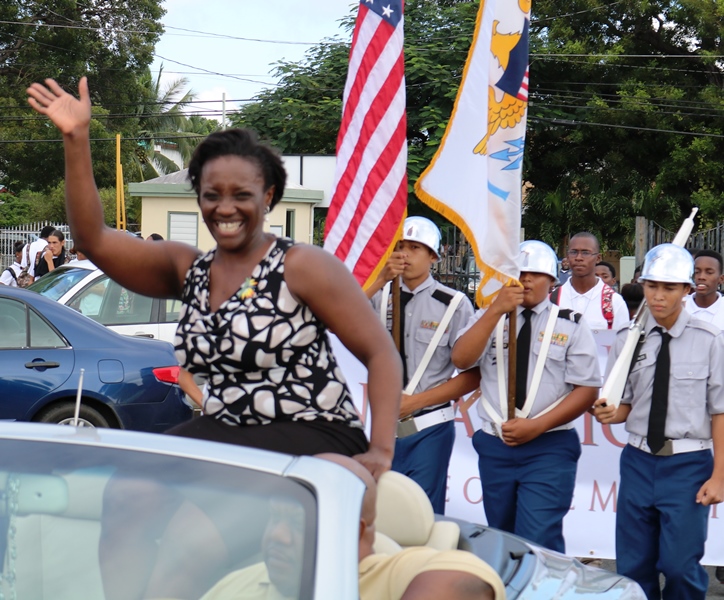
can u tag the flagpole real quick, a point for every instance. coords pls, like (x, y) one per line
(512, 363)
(396, 333)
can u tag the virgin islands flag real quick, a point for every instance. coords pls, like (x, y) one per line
(475, 178)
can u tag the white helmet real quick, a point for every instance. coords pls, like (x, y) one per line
(669, 264)
(420, 229)
(538, 257)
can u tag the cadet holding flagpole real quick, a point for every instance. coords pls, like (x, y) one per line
(431, 316)
(528, 464)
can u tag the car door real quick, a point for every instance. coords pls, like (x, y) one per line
(34, 359)
(122, 310)
(168, 322)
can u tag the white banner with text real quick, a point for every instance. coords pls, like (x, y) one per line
(589, 527)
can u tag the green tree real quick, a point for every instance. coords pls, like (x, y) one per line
(161, 121)
(110, 42)
(624, 97)
(13, 211)
(37, 162)
(626, 106)
(302, 114)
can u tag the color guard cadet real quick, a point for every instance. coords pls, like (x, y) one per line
(528, 464)
(431, 316)
(672, 406)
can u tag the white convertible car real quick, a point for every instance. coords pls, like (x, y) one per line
(87, 514)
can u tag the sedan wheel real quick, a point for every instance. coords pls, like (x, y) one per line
(63, 415)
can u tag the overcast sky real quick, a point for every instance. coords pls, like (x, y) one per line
(235, 60)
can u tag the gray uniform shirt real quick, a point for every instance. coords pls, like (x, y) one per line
(696, 380)
(422, 315)
(572, 359)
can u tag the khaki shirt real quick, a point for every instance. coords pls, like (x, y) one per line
(383, 577)
(251, 583)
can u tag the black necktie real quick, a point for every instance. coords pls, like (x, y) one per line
(660, 396)
(522, 356)
(405, 297)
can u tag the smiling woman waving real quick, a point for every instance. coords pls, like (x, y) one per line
(256, 308)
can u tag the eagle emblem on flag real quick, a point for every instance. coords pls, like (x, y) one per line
(508, 98)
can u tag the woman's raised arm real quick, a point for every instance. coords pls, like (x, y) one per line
(156, 269)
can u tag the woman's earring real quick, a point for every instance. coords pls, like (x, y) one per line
(267, 210)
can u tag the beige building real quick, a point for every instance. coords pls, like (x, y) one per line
(169, 207)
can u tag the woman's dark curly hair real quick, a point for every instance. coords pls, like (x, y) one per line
(244, 143)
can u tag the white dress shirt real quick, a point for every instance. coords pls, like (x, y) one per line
(713, 314)
(589, 305)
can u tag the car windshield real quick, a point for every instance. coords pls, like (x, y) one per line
(58, 282)
(102, 523)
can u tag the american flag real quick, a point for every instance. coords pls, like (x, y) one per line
(370, 191)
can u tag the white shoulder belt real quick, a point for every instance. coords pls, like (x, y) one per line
(439, 331)
(537, 373)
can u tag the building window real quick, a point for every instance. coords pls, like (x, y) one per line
(184, 227)
(290, 223)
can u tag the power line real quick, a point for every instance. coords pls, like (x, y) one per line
(159, 139)
(624, 110)
(216, 73)
(622, 66)
(148, 32)
(616, 98)
(579, 12)
(713, 56)
(632, 127)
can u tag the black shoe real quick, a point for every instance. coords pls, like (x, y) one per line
(719, 573)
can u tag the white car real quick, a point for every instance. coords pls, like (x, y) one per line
(85, 288)
(61, 485)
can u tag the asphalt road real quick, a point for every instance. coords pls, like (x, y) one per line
(716, 589)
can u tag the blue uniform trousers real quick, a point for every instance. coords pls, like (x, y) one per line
(424, 457)
(659, 526)
(528, 489)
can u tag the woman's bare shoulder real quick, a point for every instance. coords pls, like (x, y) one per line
(307, 265)
(300, 255)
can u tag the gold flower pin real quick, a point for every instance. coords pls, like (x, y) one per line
(247, 289)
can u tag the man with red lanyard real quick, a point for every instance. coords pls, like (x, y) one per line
(601, 307)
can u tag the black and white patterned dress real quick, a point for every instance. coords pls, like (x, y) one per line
(267, 356)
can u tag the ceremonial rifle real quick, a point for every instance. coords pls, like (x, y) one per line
(615, 383)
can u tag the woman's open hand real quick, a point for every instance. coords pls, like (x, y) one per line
(66, 112)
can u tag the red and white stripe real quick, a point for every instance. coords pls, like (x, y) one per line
(523, 92)
(370, 191)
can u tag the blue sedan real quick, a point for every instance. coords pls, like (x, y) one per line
(128, 383)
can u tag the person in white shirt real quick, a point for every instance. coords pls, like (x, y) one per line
(10, 275)
(601, 307)
(706, 303)
(36, 247)
(606, 272)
